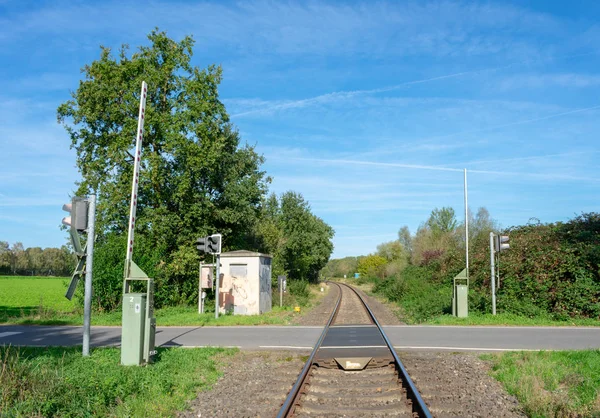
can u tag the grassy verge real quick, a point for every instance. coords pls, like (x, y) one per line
(60, 382)
(169, 316)
(41, 301)
(509, 320)
(551, 383)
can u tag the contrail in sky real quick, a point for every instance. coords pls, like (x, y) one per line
(352, 93)
(347, 94)
(553, 176)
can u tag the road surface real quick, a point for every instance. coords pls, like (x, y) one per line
(404, 337)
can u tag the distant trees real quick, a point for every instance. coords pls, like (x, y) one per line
(35, 261)
(341, 267)
(438, 243)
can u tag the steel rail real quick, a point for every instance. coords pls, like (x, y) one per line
(418, 403)
(288, 405)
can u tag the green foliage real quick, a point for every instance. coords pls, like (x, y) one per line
(551, 272)
(59, 382)
(299, 241)
(195, 178)
(551, 383)
(372, 266)
(35, 261)
(419, 296)
(549, 269)
(300, 291)
(341, 267)
(442, 221)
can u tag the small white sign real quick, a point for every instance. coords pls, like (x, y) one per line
(137, 308)
(203, 295)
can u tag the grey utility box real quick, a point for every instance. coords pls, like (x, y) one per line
(460, 295)
(134, 324)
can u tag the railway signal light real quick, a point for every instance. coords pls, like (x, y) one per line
(202, 245)
(210, 244)
(501, 243)
(214, 244)
(78, 218)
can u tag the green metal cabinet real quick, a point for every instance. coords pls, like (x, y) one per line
(134, 324)
(460, 295)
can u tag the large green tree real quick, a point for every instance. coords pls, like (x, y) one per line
(299, 241)
(195, 178)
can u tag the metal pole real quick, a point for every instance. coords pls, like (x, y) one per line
(466, 225)
(200, 289)
(493, 273)
(217, 286)
(87, 304)
(498, 269)
(280, 293)
(137, 158)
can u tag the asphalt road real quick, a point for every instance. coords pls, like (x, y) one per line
(409, 337)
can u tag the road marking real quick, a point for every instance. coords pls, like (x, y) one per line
(354, 346)
(9, 333)
(405, 347)
(292, 347)
(354, 326)
(512, 327)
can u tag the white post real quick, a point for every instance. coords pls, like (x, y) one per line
(87, 301)
(493, 273)
(136, 174)
(466, 225)
(217, 285)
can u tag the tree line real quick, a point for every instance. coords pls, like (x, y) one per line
(550, 269)
(197, 177)
(35, 261)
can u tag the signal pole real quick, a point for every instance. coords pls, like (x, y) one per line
(466, 226)
(87, 301)
(218, 284)
(493, 273)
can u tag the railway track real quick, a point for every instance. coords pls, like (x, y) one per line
(353, 370)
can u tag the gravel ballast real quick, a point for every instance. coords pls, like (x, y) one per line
(255, 384)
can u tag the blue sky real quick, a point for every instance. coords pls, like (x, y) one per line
(369, 109)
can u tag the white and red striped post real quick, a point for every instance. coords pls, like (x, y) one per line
(136, 176)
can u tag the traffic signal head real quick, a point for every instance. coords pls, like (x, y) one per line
(202, 245)
(502, 243)
(214, 244)
(78, 218)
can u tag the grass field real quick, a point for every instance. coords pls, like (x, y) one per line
(551, 383)
(41, 301)
(53, 381)
(23, 296)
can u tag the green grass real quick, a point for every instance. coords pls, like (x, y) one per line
(551, 383)
(41, 301)
(59, 382)
(34, 297)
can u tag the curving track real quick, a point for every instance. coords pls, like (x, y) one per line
(353, 370)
